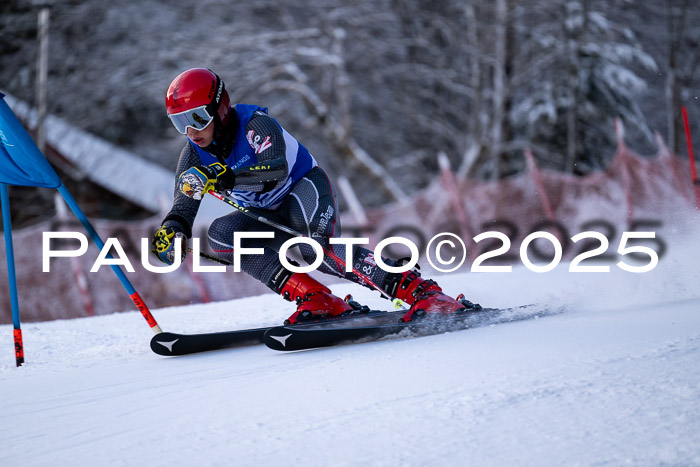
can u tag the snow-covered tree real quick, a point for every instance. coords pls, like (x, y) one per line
(377, 88)
(581, 74)
(680, 60)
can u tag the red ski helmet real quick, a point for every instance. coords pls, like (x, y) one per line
(195, 98)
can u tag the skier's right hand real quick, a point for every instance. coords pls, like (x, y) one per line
(164, 244)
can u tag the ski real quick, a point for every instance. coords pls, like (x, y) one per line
(171, 344)
(362, 326)
(371, 328)
(174, 344)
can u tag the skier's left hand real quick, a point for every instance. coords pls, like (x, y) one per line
(200, 179)
(164, 244)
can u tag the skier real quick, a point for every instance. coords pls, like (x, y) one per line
(243, 152)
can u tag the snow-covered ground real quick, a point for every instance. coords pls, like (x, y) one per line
(613, 381)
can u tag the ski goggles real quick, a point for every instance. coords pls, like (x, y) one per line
(197, 119)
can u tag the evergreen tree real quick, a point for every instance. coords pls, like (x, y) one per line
(585, 75)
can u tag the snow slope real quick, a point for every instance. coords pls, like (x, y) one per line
(615, 380)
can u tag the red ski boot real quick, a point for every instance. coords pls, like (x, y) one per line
(314, 300)
(424, 296)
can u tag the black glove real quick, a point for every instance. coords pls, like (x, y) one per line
(164, 244)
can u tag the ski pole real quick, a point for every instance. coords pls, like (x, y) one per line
(294, 233)
(211, 258)
(133, 294)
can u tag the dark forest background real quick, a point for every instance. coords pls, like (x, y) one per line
(377, 88)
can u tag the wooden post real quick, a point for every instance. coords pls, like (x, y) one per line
(624, 169)
(535, 172)
(42, 76)
(452, 189)
(693, 173)
(42, 67)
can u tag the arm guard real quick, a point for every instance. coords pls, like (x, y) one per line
(265, 136)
